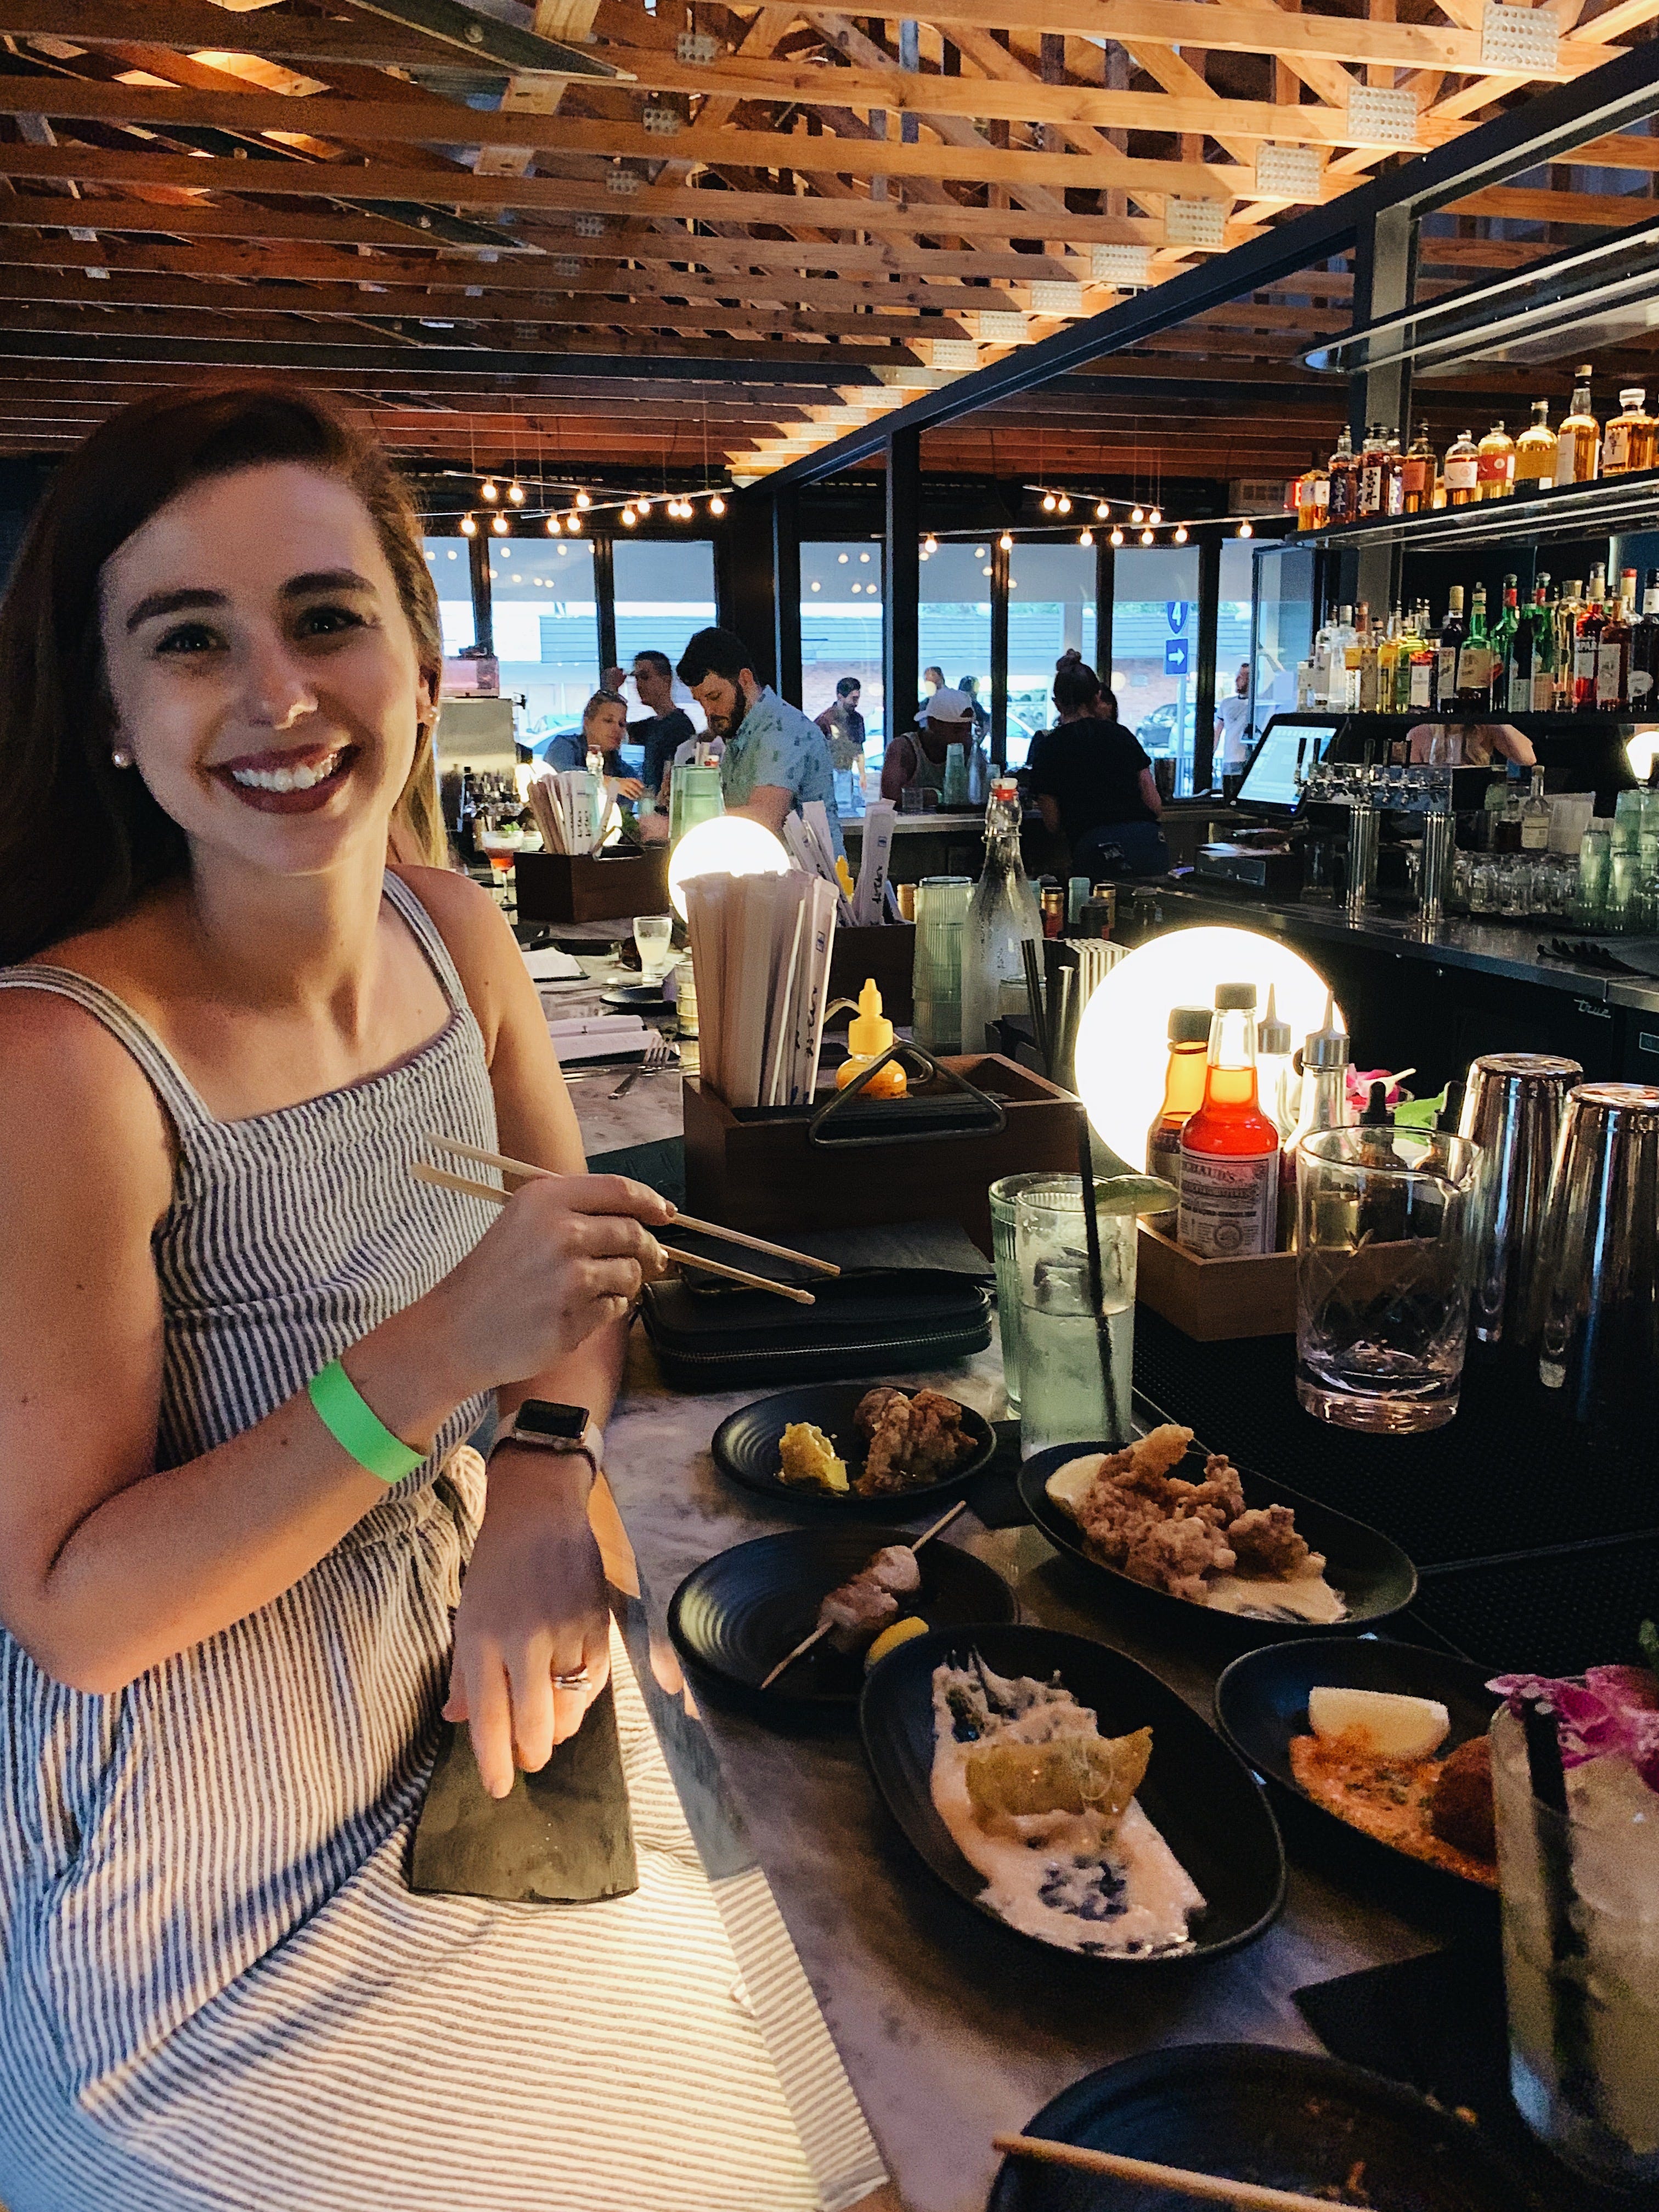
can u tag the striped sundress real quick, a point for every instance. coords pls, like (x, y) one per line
(216, 1988)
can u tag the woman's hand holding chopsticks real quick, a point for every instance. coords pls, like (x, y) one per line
(566, 1255)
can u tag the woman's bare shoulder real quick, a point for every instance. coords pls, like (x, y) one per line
(476, 937)
(74, 1100)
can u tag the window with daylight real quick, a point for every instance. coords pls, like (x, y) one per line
(841, 630)
(451, 573)
(1232, 640)
(954, 635)
(1154, 650)
(664, 592)
(547, 630)
(1051, 611)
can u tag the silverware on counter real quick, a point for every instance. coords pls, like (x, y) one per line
(1512, 1109)
(1596, 1305)
(659, 1054)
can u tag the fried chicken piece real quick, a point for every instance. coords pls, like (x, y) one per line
(1160, 1449)
(1267, 1543)
(893, 1568)
(867, 1414)
(1219, 1499)
(1176, 1555)
(1112, 1518)
(1461, 1811)
(938, 1442)
(886, 1462)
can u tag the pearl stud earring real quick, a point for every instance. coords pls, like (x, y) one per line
(121, 756)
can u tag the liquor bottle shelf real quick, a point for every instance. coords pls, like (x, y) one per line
(1561, 511)
(1369, 723)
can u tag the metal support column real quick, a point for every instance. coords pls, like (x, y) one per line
(477, 569)
(785, 593)
(744, 585)
(901, 584)
(1105, 595)
(605, 594)
(1384, 283)
(999, 653)
(1209, 606)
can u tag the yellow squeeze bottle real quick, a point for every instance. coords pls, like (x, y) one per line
(869, 1034)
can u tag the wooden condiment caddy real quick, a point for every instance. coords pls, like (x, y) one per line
(591, 887)
(1214, 1300)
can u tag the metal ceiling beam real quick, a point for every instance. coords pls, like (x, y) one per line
(1542, 129)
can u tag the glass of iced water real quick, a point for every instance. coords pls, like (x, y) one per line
(1069, 1393)
(1581, 1957)
(1387, 1224)
(653, 935)
(1003, 1196)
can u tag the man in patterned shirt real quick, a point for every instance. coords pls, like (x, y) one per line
(776, 759)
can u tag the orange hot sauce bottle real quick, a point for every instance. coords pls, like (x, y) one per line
(1230, 1147)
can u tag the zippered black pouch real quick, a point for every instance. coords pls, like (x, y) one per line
(868, 1321)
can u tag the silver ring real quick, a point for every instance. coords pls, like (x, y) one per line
(577, 1681)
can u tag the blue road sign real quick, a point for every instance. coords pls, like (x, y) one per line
(1175, 656)
(1176, 611)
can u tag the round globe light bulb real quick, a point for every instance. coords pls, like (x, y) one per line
(583, 501)
(488, 488)
(1117, 538)
(552, 526)
(469, 526)
(515, 492)
(1181, 533)
(572, 523)
(717, 504)
(1085, 538)
(498, 524)
(1146, 537)
(1155, 517)
(1006, 542)
(1049, 502)
(1245, 531)
(1063, 504)
(730, 845)
(1122, 1039)
(1102, 510)
(629, 518)
(1136, 514)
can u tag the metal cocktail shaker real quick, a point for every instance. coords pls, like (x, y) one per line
(1597, 1303)
(1512, 1109)
(1363, 822)
(1434, 866)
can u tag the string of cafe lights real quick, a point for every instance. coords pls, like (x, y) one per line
(502, 506)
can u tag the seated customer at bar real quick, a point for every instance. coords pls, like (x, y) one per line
(776, 761)
(916, 761)
(605, 732)
(1093, 783)
(245, 1349)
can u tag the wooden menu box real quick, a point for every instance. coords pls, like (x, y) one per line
(589, 887)
(1213, 1300)
(755, 1169)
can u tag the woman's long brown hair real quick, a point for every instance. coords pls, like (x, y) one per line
(79, 839)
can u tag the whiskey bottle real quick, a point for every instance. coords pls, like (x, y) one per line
(1537, 451)
(1494, 466)
(1474, 659)
(1586, 643)
(1419, 474)
(1451, 642)
(1343, 497)
(1373, 462)
(1628, 443)
(1422, 681)
(1463, 471)
(1645, 650)
(1578, 445)
(1313, 497)
(1393, 477)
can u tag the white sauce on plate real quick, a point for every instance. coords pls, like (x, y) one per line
(1053, 1875)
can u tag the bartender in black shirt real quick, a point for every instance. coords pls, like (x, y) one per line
(667, 730)
(1094, 784)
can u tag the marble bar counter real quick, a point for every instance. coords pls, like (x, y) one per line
(949, 2027)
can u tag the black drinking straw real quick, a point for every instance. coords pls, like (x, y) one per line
(1114, 1415)
(1570, 2036)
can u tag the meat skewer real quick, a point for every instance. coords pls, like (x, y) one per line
(856, 1602)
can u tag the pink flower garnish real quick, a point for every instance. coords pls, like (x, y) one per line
(1612, 1713)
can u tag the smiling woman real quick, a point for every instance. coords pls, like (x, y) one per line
(245, 1349)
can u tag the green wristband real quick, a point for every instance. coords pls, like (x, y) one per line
(357, 1428)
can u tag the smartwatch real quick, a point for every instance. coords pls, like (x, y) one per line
(551, 1427)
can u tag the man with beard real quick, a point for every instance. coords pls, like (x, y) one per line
(776, 761)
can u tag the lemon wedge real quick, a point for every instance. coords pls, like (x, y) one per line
(1393, 1726)
(895, 1633)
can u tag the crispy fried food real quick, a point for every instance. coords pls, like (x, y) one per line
(1267, 1543)
(913, 1441)
(1176, 1555)
(1219, 1499)
(1069, 1774)
(1113, 1517)
(867, 1414)
(807, 1455)
(1160, 1449)
(1461, 1810)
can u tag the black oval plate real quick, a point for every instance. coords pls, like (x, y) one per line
(738, 1613)
(745, 1448)
(637, 999)
(1287, 2120)
(1211, 1811)
(1368, 1568)
(1261, 1702)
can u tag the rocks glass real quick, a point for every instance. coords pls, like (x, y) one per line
(1388, 1221)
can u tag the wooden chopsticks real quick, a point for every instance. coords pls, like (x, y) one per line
(486, 1191)
(682, 1220)
(1250, 2196)
(824, 1626)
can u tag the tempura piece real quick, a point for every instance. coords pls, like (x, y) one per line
(913, 1441)
(806, 1455)
(1219, 1499)
(937, 1441)
(1072, 1774)
(867, 1414)
(1267, 1543)
(1176, 1555)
